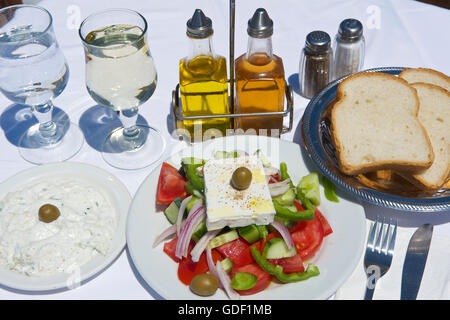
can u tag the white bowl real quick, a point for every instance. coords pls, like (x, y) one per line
(120, 199)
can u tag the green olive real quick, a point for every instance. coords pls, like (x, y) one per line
(241, 178)
(204, 284)
(48, 213)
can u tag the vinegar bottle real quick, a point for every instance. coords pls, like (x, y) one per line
(203, 80)
(260, 84)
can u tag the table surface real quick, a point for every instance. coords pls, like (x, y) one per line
(398, 33)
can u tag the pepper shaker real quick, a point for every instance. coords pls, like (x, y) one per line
(316, 63)
(348, 48)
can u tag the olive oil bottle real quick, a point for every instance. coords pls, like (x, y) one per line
(260, 84)
(203, 80)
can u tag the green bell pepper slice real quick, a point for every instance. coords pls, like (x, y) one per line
(263, 233)
(288, 214)
(306, 203)
(277, 271)
(284, 173)
(243, 281)
(329, 190)
(196, 181)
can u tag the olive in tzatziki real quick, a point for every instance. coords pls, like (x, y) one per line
(54, 226)
(48, 213)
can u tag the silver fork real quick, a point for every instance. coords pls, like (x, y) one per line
(378, 257)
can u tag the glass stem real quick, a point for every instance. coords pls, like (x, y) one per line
(128, 118)
(43, 113)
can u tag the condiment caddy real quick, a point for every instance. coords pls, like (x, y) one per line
(255, 105)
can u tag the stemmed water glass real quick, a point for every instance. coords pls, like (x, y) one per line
(33, 71)
(120, 74)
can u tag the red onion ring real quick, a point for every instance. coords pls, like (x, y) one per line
(278, 191)
(225, 281)
(202, 244)
(188, 229)
(284, 233)
(181, 213)
(165, 234)
(209, 260)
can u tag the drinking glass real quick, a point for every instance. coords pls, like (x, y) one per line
(33, 71)
(121, 75)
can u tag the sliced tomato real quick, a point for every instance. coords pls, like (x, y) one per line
(239, 251)
(170, 185)
(325, 225)
(307, 237)
(188, 269)
(275, 178)
(262, 283)
(299, 206)
(290, 265)
(170, 247)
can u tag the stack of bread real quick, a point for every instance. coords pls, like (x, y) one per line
(397, 123)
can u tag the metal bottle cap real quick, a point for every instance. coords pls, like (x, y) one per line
(318, 42)
(260, 25)
(350, 29)
(199, 26)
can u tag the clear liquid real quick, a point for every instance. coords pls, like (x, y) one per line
(33, 69)
(120, 73)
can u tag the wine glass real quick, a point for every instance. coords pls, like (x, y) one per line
(121, 75)
(33, 71)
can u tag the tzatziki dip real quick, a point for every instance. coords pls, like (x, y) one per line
(83, 230)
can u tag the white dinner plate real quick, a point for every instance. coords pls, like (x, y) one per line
(120, 199)
(336, 259)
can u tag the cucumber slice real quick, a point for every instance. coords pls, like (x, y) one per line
(191, 203)
(310, 187)
(227, 264)
(276, 248)
(286, 199)
(223, 238)
(199, 231)
(250, 233)
(171, 211)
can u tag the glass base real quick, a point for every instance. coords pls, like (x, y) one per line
(136, 153)
(63, 145)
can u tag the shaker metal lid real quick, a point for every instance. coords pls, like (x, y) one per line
(318, 41)
(350, 29)
(260, 25)
(199, 26)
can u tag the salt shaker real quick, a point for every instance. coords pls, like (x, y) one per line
(348, 48)
(316, 63)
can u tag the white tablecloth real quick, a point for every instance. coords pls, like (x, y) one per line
(398, 33)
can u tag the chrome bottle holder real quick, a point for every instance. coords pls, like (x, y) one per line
(177, 112)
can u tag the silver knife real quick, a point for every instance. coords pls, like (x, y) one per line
(415, 260)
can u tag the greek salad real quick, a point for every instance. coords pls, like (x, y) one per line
(246, 255)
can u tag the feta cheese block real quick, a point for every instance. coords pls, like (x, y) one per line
(227, 206)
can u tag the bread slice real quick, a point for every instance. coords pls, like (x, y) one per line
(434, 114)
(375, 126)
(427, 76)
